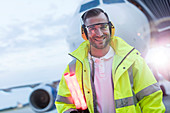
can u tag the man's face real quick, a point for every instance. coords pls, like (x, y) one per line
(98, 31)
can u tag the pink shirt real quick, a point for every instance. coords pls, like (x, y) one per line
(103, 82)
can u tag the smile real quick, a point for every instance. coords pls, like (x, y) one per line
(99, 39)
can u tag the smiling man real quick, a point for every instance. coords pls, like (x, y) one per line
(98, 34)
(112, 75)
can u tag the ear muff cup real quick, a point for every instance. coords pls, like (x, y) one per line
(112, 29)
(84, 31)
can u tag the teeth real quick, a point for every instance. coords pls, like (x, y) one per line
(99, 39)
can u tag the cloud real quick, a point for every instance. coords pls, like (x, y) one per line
(32, 40)
(19, 59)
(30, 10)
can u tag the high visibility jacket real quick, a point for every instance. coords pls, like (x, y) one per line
(135, 94)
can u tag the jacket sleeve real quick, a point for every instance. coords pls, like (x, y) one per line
(147, 89)
(64, 102)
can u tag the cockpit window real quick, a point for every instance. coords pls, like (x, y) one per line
(95, 3)
(89, 5)
(112, 1)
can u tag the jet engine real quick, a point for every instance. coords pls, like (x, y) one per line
(42, 98)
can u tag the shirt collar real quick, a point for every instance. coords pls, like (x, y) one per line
(109, 54)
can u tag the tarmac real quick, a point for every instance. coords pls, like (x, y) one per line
(166, 101)
(27, 109)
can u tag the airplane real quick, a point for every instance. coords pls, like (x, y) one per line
(139, 22)
(144, 24)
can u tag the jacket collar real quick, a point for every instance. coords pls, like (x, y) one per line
(121, 48)
(82, 51)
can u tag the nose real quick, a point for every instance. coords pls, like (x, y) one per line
(98, 32)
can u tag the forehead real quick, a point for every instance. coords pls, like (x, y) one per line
(101, 18)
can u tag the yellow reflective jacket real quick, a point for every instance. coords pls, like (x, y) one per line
(132, 94)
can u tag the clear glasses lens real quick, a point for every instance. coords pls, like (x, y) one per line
(94, 28)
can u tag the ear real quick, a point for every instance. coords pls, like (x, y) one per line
(84, 32)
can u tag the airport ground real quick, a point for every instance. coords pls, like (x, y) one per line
(166, 100)
(27, 109)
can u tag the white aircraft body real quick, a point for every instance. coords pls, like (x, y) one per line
(134, 21)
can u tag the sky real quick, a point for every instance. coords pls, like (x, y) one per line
(32, 40)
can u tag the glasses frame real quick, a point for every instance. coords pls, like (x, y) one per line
(93, 26)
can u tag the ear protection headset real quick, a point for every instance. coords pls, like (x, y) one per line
(85, 35)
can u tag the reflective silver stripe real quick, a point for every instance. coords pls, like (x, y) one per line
(70, 110)
(147, 91)
(130, 72)
(134, 98)
(67, 100)
(129, 100)
(72, 66)
(124, 102)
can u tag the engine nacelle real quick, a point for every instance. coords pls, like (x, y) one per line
(42, 98)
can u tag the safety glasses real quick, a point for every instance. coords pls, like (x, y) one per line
(95, 27)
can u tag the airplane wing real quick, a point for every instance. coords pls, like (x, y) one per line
(16, 87)
(54, 84)
(40, 98)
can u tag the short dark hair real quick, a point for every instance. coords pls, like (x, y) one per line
(93, 12)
